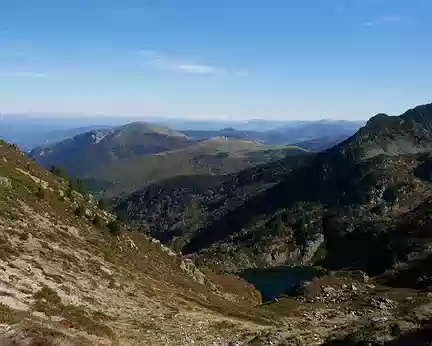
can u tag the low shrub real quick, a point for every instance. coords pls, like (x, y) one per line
(40, 192)
(80, 211)
(114, 227)
(98, 221)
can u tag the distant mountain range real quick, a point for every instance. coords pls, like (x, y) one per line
(31, 131)
(255, 125)
(325, 132)
(123, 159)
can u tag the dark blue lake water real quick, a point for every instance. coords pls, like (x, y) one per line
(273, 282)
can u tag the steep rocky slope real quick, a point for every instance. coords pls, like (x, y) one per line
(332, 228)
(365, 181)
(66, 278)
(363, 184)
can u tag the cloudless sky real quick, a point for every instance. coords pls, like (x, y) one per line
(236, 59)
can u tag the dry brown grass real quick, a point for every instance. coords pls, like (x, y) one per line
(34, 333)
(230, 284)
(78, 317)
(152, 283)
(283, 307)
(48, 302)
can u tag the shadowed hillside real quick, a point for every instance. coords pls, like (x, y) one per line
(308, 211)
(174, 209)
(369, 174)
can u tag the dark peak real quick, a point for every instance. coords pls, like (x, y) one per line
(379, 119)
(420, 114)
(410, 132)
(379, 116)
(421, 109)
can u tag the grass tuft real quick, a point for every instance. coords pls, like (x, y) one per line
(9, 315)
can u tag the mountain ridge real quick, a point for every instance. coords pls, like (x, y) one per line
(123, 159)
(374, 172)
(322, 182)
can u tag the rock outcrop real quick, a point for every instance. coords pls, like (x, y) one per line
(5, 182)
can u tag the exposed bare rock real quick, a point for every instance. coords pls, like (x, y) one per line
(5, 182)
(189, 267)
(311, 248)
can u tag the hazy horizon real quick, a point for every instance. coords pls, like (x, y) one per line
(127, 118)
(275, 60)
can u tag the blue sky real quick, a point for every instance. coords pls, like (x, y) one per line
(236, 59)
